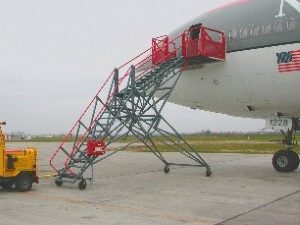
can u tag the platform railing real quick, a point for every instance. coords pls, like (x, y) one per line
(205, 42)
(161, 49)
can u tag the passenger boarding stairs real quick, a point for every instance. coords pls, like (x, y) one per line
(131, 106)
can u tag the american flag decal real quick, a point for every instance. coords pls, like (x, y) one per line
(288, 61)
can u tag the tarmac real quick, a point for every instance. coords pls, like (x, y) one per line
(132, 189)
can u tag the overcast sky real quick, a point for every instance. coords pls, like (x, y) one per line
(54, 55)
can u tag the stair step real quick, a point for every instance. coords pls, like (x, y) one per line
(79, 160)
(120, 95)
(164, 88)
(139, 82)
(113, 107)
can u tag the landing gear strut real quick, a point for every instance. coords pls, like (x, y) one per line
(287, 160)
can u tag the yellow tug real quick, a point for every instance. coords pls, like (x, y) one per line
(17, 166)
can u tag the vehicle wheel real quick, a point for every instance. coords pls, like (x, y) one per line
(7, 184)
(208, 173)
(285, 161)
(166, 169)
(23, 182)
(82, 184)
(58, 181)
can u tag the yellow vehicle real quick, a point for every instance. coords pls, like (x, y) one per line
(17, 166)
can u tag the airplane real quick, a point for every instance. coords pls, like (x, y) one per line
(261, 75)
(254, 74)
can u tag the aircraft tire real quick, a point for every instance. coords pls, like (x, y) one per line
(296, 161)
(285, 161)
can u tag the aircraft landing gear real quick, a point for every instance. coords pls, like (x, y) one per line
(287, 160)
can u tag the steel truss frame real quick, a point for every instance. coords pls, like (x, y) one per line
(135, 110)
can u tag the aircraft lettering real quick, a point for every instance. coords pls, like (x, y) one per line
(294, 3)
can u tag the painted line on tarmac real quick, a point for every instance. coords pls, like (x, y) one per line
(47, 175)
(259, 207)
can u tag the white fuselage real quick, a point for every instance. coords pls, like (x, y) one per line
(248, 78)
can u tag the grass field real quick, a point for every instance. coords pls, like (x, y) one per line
(265, 143)
(227, 143)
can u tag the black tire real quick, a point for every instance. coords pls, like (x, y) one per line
(58, 182)
(167, 169)
(23, 182)
(7, 184)
(294, 155)
(208, 173)
(285, 161)
(82, 184)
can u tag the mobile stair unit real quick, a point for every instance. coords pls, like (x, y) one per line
(131, 101)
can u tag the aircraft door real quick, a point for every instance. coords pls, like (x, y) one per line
(195, 31)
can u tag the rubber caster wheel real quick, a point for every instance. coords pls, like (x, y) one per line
(82, 184)
(59, 182)
(208, 173)
(166, 169)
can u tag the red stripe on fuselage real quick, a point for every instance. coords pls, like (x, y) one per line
(231, 4)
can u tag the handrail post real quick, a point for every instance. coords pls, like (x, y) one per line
(183, 41)
(132, 79)
(153, 50)
(203, 39)
(166, 50)
(223, 46)
(116, 80)
(132, 76)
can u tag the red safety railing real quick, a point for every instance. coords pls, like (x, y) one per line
(203, 41)
(162, 49)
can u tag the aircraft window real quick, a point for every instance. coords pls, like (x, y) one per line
(255, 30)
(267, 28)
(243, 32)
(291, 24)
(232, 34)
(278, 27)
